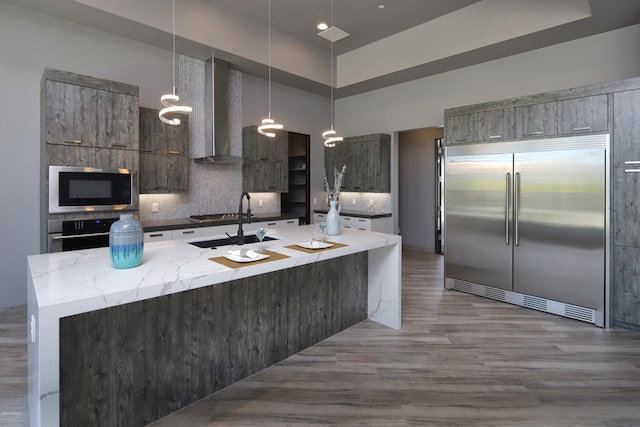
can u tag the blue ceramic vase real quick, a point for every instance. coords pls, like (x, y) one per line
(126, 242)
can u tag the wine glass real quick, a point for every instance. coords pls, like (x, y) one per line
(261, 233)
(322, 226)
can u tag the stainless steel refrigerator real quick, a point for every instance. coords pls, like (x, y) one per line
(526, 222)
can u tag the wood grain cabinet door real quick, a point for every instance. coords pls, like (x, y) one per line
(582, 115)
(536, 120)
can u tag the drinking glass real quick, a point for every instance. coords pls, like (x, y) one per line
(322, 226)
(261, 233)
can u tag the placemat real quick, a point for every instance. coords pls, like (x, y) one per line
(273, 256)
(310, 251)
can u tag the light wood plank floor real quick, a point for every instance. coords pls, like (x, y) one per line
(459, 360)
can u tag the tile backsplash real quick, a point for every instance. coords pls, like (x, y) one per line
(361, 202)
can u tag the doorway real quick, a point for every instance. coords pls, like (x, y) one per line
(418, 188)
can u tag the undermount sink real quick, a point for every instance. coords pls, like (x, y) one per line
(225, 241)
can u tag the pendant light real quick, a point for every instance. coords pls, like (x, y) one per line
(330, 136)
(171, 101)
(268, 124)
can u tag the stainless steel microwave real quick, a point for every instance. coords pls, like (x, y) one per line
(84, 189)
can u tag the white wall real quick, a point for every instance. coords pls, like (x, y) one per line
(420, 103)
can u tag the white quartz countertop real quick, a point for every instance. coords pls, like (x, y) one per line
(84, 280)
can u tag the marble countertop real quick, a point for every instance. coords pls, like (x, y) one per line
(81, 281)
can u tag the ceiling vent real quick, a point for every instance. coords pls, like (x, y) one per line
(333, 34)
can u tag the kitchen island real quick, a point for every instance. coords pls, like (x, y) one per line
(190, 325)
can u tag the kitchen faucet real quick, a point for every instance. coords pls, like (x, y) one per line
(240, 232)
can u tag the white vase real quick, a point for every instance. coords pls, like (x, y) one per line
(333, 218)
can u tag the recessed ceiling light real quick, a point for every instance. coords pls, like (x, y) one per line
(322, 26)
(381, 6)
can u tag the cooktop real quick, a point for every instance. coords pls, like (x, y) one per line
(213, 217)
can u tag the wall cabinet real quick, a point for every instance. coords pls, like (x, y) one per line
(89, 112)
(536, 120)
(164, 154)
(584, 114)
(368, 161)
(265, 167)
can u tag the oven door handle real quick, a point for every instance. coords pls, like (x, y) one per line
(74, 236)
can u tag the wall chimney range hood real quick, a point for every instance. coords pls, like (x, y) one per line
(217, 140)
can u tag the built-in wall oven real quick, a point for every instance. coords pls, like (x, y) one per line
(76, 234)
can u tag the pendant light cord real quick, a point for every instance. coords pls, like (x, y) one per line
(173, 20)
(269, 59)
(332, 77)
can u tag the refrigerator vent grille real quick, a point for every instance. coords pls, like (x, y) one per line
(536, 303)
(579, 313)
(495, 293)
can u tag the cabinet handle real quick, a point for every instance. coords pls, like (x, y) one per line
(188, 232)
(364, 229)
(291, 222)
(174, 152)
(156, 235)
(495, 136)
(362, 220)
(632, 162)
(119, 145)
(346, 218)
(536, 133)
(271, 224)
(582, 129)
(73, 141)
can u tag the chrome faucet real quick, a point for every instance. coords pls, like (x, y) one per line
(240, 232)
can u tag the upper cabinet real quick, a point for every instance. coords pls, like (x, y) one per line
(164, 154)
(537, 120)
(626, 128)
(584, 114)
(561, 113)
(368, 161)
(89, 112)
(266, 164)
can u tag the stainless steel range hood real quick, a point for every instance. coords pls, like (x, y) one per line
(217, 139)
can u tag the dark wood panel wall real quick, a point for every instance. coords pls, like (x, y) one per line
(132, 364)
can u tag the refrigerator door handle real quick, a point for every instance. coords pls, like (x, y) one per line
(507, 204)
(516, 208)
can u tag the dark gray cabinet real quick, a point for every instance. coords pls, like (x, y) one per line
(457, 129)
(583, 114)
(266, 166)
(493, 125)
(368, 161)
(536, 120)
(626, 127)
(164, 154)
(625, 290)
(89, 112)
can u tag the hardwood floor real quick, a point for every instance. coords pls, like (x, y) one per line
(459, 360)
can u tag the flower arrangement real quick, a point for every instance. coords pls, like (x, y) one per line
(337, 181)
